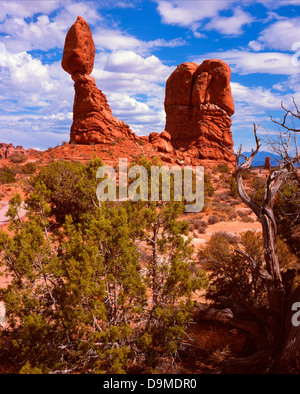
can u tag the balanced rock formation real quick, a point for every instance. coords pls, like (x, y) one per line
(199, 106)
(93, 121)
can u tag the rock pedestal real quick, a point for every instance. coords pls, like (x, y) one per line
(93, 121)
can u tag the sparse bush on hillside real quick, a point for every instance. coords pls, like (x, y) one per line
(208, 187)
(233, 188)
(242, 214)
(229, 276)
(202, 224)
(7, 175)
(212, 219)
(28, 168)
(247, 219)
(69, 188)
(234, 202)
(258, 186)
(224, 209)
(222, 168)
(225, 196)
(247, 174)
(18, 158)
(287, 209)
(199, 225)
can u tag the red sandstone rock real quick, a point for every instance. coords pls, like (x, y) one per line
(199, 105)
(217, 87)
(267, 165)
(93, 121)
(179, 85)
(8, 150)
(79, 49)
(161, 141)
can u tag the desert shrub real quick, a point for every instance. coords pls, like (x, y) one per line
(286, 210)
(242, 213)
(201, 226)
(208, 187)
(233, 188)
(224, 196)
(201, 229)
(212, 219)
(222, 168)
(82, 299)
(258, 186)
(247, 174)
(216, 199)
(247, 219)
(224, 209)
(28, 168)
(192, 224)
(245, 215)
(231, 238)
(68, 187)
(230, 273)
(7, 175)
(232, 215)
(18, 158)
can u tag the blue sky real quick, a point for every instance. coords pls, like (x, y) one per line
(138, 45)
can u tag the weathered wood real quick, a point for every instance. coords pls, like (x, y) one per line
(283, 338)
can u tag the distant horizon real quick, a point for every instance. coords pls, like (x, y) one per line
(138, 45)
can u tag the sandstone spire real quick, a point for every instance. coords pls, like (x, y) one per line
(93, 121)
(199, 106)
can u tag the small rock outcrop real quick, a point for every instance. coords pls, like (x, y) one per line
(8, 150)
(267, 165)
(199, 105)
(93, 121)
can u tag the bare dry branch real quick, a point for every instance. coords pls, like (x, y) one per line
(288, 114)
(261, 272)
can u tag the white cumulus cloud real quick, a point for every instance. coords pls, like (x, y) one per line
(231, 25)
(204, 15)
(248, 62)
(280, 35)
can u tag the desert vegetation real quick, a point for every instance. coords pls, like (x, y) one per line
(99, 289)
